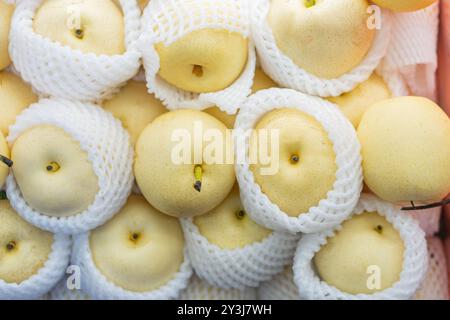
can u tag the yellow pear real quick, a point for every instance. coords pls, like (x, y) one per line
(15, 96)
(366, 246)
(307, 168)
(260, 82)
(206, 60)
(404, 5)
(53, 173)
(173, 169)
(140, 249)
(135, 107)
(92, 26)
(354, 103)
(24, 249)
(228, 226)
(6, 12)
(327, 38)
(406, 150)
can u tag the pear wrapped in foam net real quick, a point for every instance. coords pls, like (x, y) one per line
(60, 71)
(415, 257)
(109, 151)
(166, 21)
(46, 278)
(286, 73)
(97, 286)
(340, 201)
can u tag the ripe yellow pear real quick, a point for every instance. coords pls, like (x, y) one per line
(4, 154)
(15, 96)
(406, 150)
(46, 158)
(260, 82)
(6, 12)
(169, 175)
(140, 249)
(24, 249)
(92, 26)
(206, 60)
(354, 103)
(307, 168)
(404, 5)
(327, 38)
(366, 242)
(135, 107)
(228, 226)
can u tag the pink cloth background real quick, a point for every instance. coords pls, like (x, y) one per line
(444, 89)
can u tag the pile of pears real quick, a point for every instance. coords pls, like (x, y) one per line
(405, 148)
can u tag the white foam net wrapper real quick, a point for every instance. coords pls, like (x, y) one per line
(60, 71)
(411, 61)
(199, 289)
(165, 21)
(97, 286)
(108, 148)
(281, 287)
(340, 201)
(242, 267)
(286, 73)
(45, 279)
(62, 292)
(415, 258)
(435, 284)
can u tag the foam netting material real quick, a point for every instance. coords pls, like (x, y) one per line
(199, 289)
(339, 202)
(429, 220)
(281, 287)
(45, 279)
(411, 60)
(108, 149)
(62, 292)
(97, 286)
(167, 21)
(60, 71)
(415, 257)
(286, 73)
(242, 267)
(435, 284)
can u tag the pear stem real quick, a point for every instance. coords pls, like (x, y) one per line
(198, 174)
(428, 206)
(6, 161)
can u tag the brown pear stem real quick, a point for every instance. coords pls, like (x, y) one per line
(428, 206)
(6, 161)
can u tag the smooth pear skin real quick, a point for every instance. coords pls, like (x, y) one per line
(206, 60)
(228, 226)
(101, 23)
(327, 39)
(24, 249)
(297, 186)
(140, 249)
(168, 185)
(405, 145)
(53, 173)
(365, 240)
